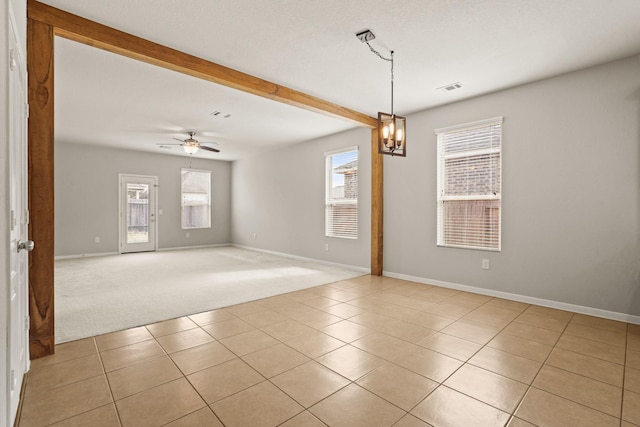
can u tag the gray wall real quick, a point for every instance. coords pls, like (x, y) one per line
(571, 195)
(86, 198)
(279, 197)
(571, 192)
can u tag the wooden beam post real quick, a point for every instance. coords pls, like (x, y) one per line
(41, 201)
(377, 205)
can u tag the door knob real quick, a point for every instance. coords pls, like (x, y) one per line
(26, 245)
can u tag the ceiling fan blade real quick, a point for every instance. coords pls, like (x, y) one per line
(204, 147)
(169, 144)
(178, 139)
(210, 142)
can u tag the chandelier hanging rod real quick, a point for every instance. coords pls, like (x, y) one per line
(388, 60)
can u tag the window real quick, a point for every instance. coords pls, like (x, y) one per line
(196, 198)
(469, 185)
(341, 212)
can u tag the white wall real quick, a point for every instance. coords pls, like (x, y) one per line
(279, 197)
(571, 192)
(86, 198)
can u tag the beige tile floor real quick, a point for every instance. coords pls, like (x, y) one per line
(368, 352)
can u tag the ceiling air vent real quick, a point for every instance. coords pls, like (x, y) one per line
(220, 114)
(450, 87)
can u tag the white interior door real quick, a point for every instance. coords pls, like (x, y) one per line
(18, 357)
(137, 213)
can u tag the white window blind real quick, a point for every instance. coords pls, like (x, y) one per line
(469, 185)
(341, 205)
(196, 198)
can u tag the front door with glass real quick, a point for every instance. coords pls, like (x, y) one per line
(137, 213)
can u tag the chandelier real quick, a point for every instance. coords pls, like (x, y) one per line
(391, 128)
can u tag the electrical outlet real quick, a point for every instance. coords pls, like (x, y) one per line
(96, 239)
(188, 234)
(160, 212)
(255, 235)
(326, 246)
(485, 264)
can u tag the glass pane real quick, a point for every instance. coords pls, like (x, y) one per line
(344, 176)
(471, 223)
(483, 138)
(472, 175)
(137, 213)
(342, 220)
(196, 216)
(341, 217)
(196, 199)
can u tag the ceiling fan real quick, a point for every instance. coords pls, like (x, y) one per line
(192, 145)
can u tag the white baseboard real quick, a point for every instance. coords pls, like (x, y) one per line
(56, 258)
(182, 248)
(300, 258)
(622, 317)
(177, 248)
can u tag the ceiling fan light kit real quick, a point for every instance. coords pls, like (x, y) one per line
(392, 129)
(190, 148)
(192, 145)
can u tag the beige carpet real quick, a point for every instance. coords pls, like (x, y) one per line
(104, 294)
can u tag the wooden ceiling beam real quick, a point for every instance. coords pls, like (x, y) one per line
(82, 30)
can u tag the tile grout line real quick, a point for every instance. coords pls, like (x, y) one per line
(168, 355)
(184, 376)
(564, 397)
(441, 384)
(113, 399)
(304, 408)
(540, 369)
(128, 366)
(467, 363)
(351, 382)
(52, 389)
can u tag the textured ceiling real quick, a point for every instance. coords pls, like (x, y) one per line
(310, 46)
